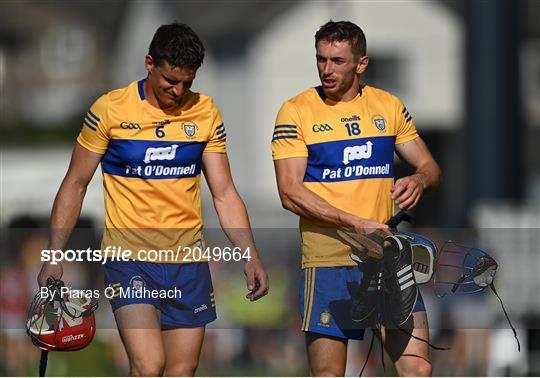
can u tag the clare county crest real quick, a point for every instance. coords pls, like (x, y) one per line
(325, 318)
(190, 128)
(137, 283)
(379, 122)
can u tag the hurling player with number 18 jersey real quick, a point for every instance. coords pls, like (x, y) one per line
(333, 149)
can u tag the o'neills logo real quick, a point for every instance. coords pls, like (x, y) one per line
(200, 308)
(67, 339)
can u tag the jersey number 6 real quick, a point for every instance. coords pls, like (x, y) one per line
(160, 133)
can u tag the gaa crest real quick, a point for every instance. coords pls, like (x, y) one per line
(190, 128)
(379, 122)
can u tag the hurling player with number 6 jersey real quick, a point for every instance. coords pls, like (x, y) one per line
(333, 149)
(153, 139)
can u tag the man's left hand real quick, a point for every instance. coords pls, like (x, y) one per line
(407, 191)
(256, 279)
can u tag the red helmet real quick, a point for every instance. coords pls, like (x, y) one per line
(59, 322)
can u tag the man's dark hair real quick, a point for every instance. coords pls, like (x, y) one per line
(178, 45)
(343, 31)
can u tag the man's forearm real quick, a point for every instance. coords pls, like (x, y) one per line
(234, 221)
(65, 213)
(429, 175)
(307, 204)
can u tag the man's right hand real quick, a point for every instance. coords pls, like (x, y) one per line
(49, 270)
(368, 226)
(366, 238)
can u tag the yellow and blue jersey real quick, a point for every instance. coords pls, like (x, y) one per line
(151, 166)
(349, 148)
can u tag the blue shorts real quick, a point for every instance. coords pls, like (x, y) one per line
(182, 292)
(326, 298)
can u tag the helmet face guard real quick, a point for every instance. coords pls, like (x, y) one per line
(57, 322)
(463, 270)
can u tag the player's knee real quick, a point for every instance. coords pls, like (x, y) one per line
(423, 369)
(416, 368)
(184, 369)
(147, 367)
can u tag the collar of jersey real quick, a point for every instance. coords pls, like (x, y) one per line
(152, 109)
(360, 96)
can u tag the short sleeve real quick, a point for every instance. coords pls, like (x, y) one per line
(94, 135)
(218, 135)
(406, 129)
(288, 139)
